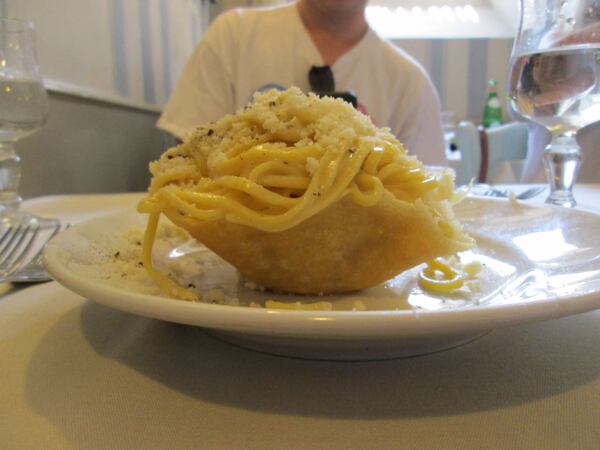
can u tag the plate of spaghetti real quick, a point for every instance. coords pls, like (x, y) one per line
(297, 227)
(303, 195)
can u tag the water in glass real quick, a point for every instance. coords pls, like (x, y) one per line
(23, 109)
(553, 81)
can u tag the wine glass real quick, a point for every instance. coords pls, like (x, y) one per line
(555, 68)
(23, 109)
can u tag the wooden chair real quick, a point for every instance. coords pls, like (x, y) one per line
(484, 150)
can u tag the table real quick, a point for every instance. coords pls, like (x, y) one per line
(75, 374)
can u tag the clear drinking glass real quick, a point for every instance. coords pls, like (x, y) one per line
(23, 108)
(555, 67)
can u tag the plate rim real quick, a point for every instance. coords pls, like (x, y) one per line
(314, 324)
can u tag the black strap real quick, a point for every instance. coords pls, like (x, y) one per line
(321, 79)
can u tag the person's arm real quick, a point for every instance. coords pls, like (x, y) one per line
(419, 125)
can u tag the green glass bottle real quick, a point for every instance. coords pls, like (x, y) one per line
(492, 113)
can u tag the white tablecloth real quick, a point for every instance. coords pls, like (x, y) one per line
(75, 374)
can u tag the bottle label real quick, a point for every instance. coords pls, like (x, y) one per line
(494, 102)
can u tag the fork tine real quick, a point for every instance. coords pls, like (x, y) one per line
(34, 271)
(15, 244)
(57, 228)
(17, 253)
(8, 241)
(33, 236)
(530, 193)
(7, 233)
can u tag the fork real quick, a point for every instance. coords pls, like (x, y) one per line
(34, 271)
(525, 195)
(15, 243)
(530, 193)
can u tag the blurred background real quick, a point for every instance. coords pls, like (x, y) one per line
(110, 65)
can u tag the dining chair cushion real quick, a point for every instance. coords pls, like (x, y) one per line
(491, 155)
(468, 142)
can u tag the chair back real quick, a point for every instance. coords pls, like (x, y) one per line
(485, 151)
(468, 142)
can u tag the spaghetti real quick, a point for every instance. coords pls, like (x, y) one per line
(279, 162)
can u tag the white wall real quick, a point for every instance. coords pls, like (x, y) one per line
(133, 49)
(460, 69)
(126, 52)
(450, 19)
(136, 49)
(130, 52)
(90, 147)
(510, 11)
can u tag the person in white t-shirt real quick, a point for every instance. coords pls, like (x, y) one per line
(250, 50)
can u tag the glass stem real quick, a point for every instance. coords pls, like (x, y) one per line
(562, 159)
(10, 177)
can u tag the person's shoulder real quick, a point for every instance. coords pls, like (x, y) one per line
(271, 12)
(246, 16)
(238, 27)
(395, 55)
(231, 24)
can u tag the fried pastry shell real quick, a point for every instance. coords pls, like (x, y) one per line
(345, 247)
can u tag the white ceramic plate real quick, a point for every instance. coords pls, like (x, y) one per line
(539, 262)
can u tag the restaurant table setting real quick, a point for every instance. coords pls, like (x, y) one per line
(91, 366)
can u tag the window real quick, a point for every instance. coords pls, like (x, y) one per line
(395, 19)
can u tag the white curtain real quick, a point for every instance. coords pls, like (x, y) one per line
(129, 49)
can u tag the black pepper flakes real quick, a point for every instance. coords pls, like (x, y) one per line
(140, 264)
(210, 132)
(352, 151)
(117, 254)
